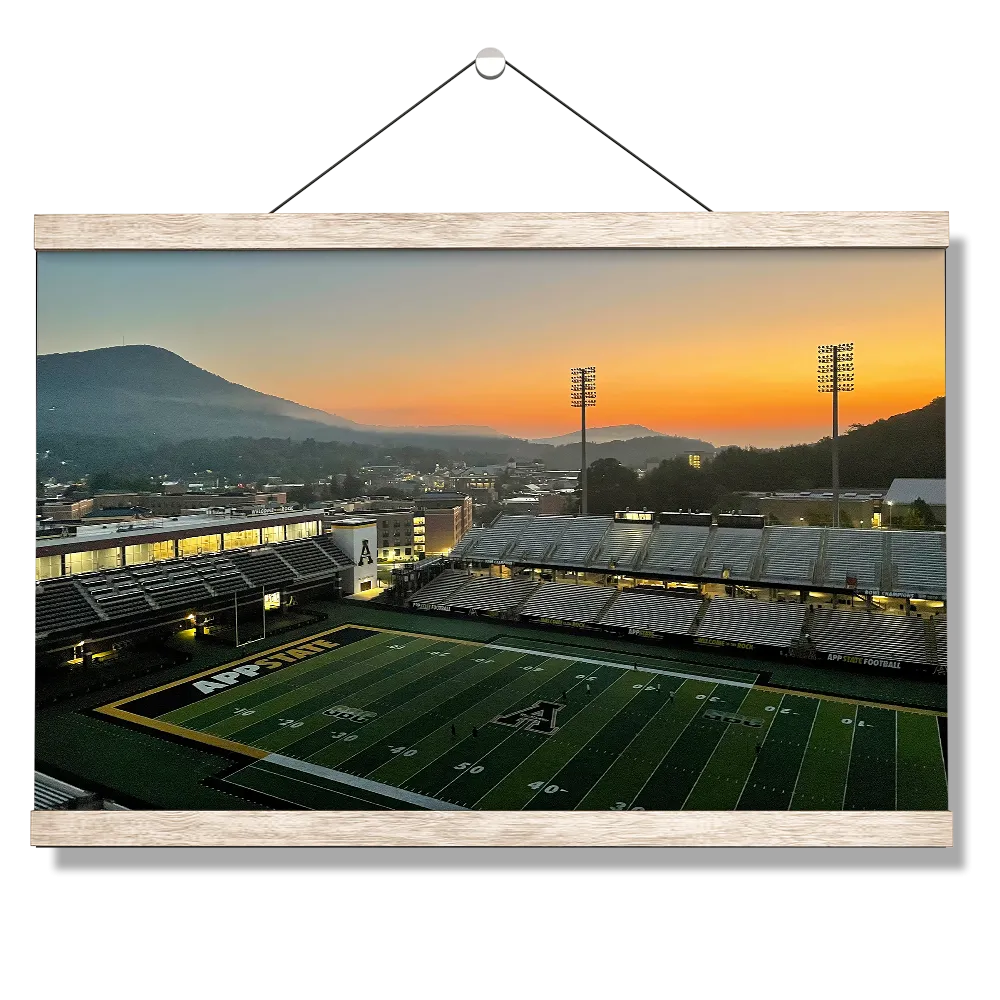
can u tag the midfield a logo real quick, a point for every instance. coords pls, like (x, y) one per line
(365, 552)
(537, 718)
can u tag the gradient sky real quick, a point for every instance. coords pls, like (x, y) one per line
(718, 344)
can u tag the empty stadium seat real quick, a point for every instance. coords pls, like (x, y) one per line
(731, 552)
(568, 602)
(919, 562)
(738, 619)
(436, 593)
(60, 605)
(675, 548)
(466, 543)
(790, 555)
(576, 543)
(870, 634)
(489, 593)
(621, 545)
(852, 552)
(494, 540)
(653, 611)
(538, 536)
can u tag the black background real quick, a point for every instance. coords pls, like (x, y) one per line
(753, 114)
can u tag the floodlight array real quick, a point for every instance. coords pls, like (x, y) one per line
(583, 386)
(844, 354)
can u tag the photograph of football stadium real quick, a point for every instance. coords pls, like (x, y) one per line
(491, 529)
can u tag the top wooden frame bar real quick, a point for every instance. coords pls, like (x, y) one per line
(510, 230)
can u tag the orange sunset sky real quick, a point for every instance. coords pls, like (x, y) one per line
(717, 344)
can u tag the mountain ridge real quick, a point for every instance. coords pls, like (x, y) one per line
(602, 435)
(132, 377)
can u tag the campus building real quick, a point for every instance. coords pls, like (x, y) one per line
(904, 493)
(859, 507)
(171, 503)
(130, 543)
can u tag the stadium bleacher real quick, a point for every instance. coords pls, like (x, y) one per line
(307, 558)
(436, 594)
(870, 635)
(467, 542)
(941, 640)
(218, 573)
(495, 539)
(918, 560)
(653, 611)
(674, 548)
(568, 602)
(574, 546)
(117, 593)
(178, 586)
(790, 555)
(737, 619)
(262, 566)
(336, 555)
(621, 545)
(852, 552)
(89, 599)
(538, 536)
(793, 557)
(490, 593)
(731, 552)
(61, 603)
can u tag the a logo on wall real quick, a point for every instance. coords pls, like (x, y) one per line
(365, 551)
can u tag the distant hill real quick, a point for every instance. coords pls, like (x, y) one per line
(601, 435)
(907, 445)
(135, 391)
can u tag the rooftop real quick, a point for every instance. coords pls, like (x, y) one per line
(931, 491)
(103, 535)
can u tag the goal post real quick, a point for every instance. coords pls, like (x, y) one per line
(253, 631)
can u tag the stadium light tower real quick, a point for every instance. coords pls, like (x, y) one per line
(835, 374)
(583, 393)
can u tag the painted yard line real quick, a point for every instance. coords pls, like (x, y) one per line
(847, 773)
(444, 728)
(310, 784)
(717, 745)
(895, 763)
(944, 766)
(270, 795)
(668, 659)
(842, 700)
(188, 734)
(231, 664)
(639, 733)
(593, 736)
(375, 726)
(762, 742)
(419, 635)
(364, 784)
(627, 666)
(513, 732)
(673, 743)
(325, 675)
(805, 753)
(327, 685)
(606, 693)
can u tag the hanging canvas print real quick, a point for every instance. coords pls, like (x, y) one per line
(491, 529)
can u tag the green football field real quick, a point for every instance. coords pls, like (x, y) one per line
(362, 718)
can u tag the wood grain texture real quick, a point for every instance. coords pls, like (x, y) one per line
(512, 230)
(491, 829)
